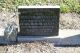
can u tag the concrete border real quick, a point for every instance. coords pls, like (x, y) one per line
(66, 37)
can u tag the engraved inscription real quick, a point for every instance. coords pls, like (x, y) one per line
(39, 21)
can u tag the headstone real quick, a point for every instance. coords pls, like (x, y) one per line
(39, 20)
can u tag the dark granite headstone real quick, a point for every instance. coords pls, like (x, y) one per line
(39, 21)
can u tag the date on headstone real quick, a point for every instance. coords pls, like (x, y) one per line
(39, 20)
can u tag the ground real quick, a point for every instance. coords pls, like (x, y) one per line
(38, 47)
(67, 21)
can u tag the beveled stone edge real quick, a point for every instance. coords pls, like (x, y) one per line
(56, 6)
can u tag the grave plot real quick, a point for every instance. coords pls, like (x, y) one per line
(39, 21)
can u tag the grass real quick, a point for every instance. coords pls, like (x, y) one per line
(66, 5)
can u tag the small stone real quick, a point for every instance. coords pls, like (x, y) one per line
(10, 32)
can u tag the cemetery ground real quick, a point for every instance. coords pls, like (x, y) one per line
(67, 21)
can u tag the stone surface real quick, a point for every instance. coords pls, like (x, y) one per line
(2, 49)
(10, 32)
(39, 21)
(65, 37)
(2, 32)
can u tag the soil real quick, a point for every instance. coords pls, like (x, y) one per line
(69, 21)
(38, 47)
